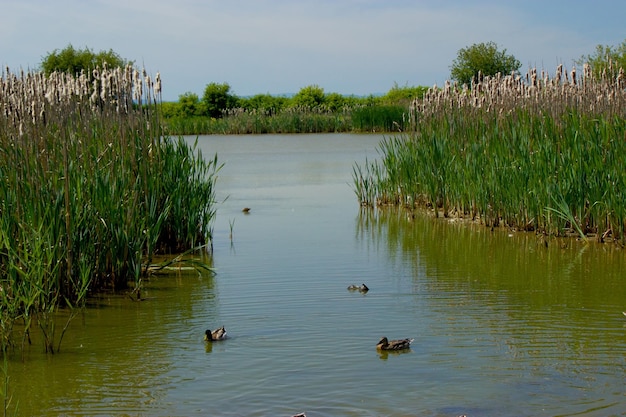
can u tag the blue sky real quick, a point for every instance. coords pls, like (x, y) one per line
(278, 46)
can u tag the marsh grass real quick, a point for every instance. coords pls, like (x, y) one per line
(535, 153)
(357, 118)
(379, 118)
(91, 190)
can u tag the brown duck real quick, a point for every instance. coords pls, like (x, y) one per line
(211, 336)
(361, 288)
(401, 344)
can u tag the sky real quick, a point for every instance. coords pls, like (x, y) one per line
(350, 47)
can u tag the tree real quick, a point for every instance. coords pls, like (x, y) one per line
(218, 99)
(264, 103)
(309, 97)
(606, 60)
(335, 102)
(483, 58)
(403, 95)
(73, 61)
(189, 105)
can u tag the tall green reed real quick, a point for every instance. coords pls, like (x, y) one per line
(92, 189)
(379, 118)
(540, 154)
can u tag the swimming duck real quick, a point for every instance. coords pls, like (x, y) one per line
(402, 344)
(219, 334)
(360, 288)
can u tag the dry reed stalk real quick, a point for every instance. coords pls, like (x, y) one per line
(505, 94)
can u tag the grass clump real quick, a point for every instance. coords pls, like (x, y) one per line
(534, 153)
(91, 189)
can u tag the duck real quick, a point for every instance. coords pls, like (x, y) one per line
(360, 288)
(401, 344)
(246, 210)
(215, 335)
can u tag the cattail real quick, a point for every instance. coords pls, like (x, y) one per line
(104, 86)
(587, 71)
(149, 86)
(157, 84)
(33, 112)
(559, 73)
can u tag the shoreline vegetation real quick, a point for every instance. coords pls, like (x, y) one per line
(91, 191)
(534, 153)
(358, 119)
(309, 111)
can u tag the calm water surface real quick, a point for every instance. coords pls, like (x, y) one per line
(503, 326)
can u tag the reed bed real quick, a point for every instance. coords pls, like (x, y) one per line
(91, 190)
(380, 118)
(536, 153)
(253, 122)
(359, 118)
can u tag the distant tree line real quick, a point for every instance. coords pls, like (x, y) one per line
(219, 101)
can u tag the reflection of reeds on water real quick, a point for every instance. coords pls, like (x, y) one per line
(91, 189)
(533, 153)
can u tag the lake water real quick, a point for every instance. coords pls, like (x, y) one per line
(503, 325)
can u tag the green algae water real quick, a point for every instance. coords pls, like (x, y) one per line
(503, 325)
